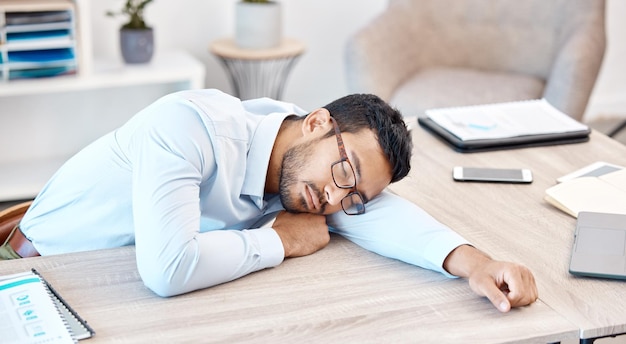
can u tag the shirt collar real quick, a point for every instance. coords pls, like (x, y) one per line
(261, 145)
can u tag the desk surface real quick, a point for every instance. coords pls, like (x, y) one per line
(340, 294)
(346, 294)
(513, 222)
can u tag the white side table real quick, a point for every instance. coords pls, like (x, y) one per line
(256, 73)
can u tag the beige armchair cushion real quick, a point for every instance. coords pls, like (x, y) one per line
(442, 87)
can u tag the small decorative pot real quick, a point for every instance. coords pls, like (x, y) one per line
(258, 25)
(137, 45)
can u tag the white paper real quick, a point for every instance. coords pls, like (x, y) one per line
(504, 120)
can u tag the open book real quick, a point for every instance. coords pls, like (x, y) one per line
(602, 194)
(504, 125)
(33, 312)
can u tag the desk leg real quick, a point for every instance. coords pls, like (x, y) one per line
(592, 340)
(259, 78)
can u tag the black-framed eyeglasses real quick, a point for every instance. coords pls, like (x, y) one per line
(345, 178)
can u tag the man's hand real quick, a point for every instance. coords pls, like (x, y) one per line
(301, 234)
(505, 284)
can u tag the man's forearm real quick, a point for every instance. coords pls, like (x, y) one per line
(397, 228)
(463, 260)
(179, 266)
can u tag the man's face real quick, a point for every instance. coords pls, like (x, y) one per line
(306, 183)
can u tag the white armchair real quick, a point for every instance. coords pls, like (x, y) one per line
(420, 54)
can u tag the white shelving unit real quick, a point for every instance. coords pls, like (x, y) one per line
(24, 176)
(165, 67)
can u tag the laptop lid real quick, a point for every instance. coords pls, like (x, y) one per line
(599, 245)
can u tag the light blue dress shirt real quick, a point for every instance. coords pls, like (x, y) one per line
(184, 181)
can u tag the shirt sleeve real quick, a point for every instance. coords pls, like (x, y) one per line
(397, 228)
(172, 156)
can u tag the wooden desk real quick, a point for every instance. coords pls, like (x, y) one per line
(513, 222)
(340, 294)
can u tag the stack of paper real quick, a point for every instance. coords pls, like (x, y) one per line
(38, 43)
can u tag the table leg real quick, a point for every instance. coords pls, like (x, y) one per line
(259, 78)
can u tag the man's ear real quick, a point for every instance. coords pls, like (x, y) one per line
(317, 121)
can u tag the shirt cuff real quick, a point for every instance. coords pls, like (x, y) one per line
(270, 247)
(439, 249)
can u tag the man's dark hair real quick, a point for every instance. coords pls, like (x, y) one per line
(366, 111)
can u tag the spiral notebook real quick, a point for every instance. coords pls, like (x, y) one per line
(79, 327)
(33, 312)
(507, 125)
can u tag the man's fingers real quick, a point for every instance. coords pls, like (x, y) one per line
(496, 296)
(302, 233)
(523, 290)
(505, 288)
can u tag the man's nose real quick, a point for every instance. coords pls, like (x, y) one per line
(335, 194)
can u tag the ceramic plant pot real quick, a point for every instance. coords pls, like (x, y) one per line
(137, 45)
(258, 25)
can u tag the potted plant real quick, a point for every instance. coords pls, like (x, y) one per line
(258, 24)
(136, 37)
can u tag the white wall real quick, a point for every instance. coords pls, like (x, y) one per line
(609, 96)
(323, 25)
(62, 124)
